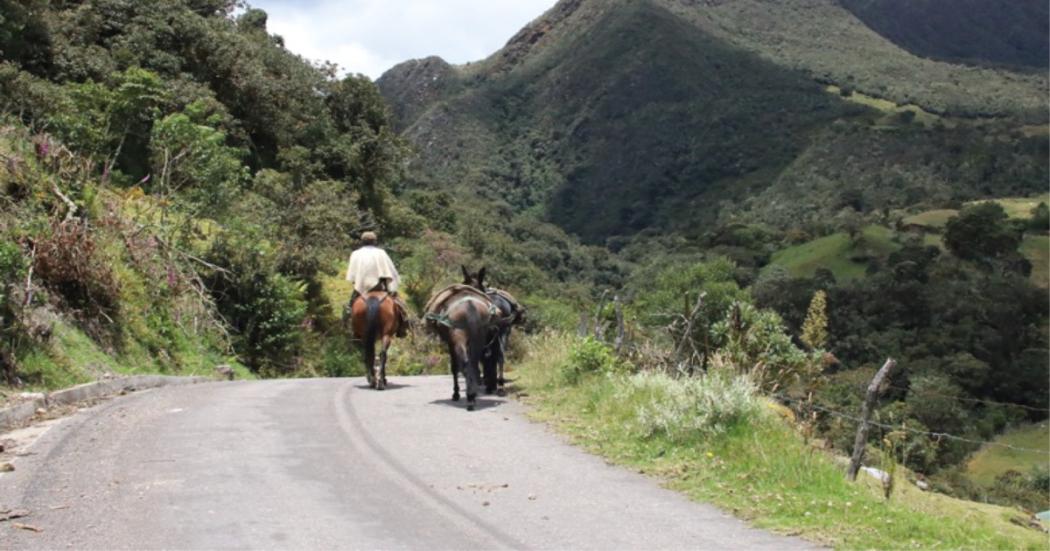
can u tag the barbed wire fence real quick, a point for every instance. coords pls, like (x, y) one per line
(934, 434)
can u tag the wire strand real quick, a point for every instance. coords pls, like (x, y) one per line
(975, 400)
(938, 435)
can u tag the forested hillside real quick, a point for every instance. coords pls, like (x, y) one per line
(766, 153)
(677, 114)
(182, 191)
(971, 31)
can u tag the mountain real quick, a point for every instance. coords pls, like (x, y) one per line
(969, 31)
(613, 117)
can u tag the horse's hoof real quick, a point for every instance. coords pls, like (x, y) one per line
(381, 386)
(455, 397)
(470, 407)
(501, 392)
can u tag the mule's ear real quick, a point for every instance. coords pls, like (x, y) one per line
(481, 278)
(466, 274)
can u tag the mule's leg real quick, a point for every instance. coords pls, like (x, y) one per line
(500, 363)
(472, 375)
(453, 365)
(490, 367)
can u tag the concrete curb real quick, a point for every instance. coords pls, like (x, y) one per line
(16, 416)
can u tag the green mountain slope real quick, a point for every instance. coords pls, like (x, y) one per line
(610, 118)
(1006, 32)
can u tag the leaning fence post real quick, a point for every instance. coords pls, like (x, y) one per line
(618, 343)
(860, 442)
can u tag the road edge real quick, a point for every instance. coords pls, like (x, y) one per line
(19, 415)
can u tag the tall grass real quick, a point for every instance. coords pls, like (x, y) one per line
(685, 410)
(715, 439)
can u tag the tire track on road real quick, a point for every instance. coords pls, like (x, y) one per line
(386, 464)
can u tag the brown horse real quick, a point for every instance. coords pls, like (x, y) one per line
(374, 317)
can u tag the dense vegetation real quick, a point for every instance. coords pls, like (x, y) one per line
(645, 117)
(975, 31)
(171, 155)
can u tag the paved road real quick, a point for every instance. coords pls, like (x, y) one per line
(331, 464)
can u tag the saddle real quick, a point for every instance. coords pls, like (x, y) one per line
(517, 310)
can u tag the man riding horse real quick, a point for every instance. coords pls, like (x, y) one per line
(370, 270)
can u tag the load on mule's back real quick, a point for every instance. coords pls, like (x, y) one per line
(468, 321)
(376, 312)
(511, 313)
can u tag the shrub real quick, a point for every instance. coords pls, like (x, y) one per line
(590, 356)
(756, 342)
(68, 262)
(694, 407)
(1040, 220)
(12, 264)
(188, 153)
(266, 309)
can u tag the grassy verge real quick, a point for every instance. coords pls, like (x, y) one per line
(757, 467)
(70, 357)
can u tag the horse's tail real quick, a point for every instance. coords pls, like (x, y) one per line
(371, 329)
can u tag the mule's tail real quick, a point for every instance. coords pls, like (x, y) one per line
(477, 337)
(371, 329)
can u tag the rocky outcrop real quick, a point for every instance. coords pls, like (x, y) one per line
(414, 86)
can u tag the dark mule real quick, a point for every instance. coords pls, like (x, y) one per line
(511, 313)
(463, 318)
(374, 317)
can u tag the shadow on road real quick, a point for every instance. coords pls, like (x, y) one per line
(389, 386)
(482, 403)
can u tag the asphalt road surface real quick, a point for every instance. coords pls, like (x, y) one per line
(312, 464)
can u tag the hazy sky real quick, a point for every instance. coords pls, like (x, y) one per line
(370, 36)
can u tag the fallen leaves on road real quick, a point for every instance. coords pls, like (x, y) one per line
(9, 514)
(483, 487)
(6, 467)
(29, 527)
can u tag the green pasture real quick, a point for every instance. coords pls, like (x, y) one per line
(991, 461)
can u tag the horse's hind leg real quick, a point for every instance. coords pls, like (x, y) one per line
(455, 371)
(381, 376)
(370, 363)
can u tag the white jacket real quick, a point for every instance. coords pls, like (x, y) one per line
(367, 266)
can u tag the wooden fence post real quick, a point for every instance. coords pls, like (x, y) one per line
(618, 343)
(598, 336)
(861, 441)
